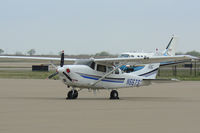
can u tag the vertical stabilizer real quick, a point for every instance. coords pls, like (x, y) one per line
(149, 71)
(170, 49)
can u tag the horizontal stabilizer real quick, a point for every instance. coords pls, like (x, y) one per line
(162, 80)
(151, 81)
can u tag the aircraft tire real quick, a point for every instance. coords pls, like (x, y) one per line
(73, 94)
(114, 94)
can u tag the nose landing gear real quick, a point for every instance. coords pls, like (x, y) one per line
(73, 94)
(114, 94)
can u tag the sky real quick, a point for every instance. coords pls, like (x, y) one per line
(91, 26)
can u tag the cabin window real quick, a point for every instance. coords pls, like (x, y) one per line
(138, 56)
(124, 55)
(132, 55)
(101, 68)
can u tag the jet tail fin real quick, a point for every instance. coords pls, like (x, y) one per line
(170, 49)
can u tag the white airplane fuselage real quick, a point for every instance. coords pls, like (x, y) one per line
(82, 76)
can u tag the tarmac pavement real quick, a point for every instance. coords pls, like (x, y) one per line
(30, 106)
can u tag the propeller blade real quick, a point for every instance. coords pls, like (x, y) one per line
(67, 76)
(52, 75)
(62, 59)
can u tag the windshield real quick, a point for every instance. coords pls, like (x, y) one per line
(124, 55)
(83, 62)
(87, 62)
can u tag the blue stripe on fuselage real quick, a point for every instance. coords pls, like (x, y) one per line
(105, 80)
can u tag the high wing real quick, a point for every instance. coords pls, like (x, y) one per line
(38, 58)
(145, 60)
(113, 61)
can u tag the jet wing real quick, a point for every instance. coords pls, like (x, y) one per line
(37, 58)
(145, 60)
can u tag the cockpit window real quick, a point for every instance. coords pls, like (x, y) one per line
(87, 62)
(92, 65)
(83, 62)
(124, 55)
(101, 68)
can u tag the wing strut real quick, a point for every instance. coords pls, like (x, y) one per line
(107, 74)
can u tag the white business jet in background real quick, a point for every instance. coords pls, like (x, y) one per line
(105, 73)
(169, 51)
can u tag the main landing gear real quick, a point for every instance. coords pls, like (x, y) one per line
(73, 94)
(114, 94)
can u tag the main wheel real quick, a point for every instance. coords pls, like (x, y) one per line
(73, 94)
(114, 94)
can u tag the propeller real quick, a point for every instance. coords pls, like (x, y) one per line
(60, 68)
(62, 59)
(61, 65)
(67, 76)
(52, 75)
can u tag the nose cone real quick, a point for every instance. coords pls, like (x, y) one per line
(60, 69)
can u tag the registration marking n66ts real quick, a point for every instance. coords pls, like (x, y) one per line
(133, 82)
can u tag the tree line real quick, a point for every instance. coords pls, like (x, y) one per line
(193, 53)
(29, 52)
(32, 52)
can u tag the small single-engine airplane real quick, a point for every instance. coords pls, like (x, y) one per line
(106, 73)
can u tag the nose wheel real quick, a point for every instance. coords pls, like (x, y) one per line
(73, 94)
(114, 94)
